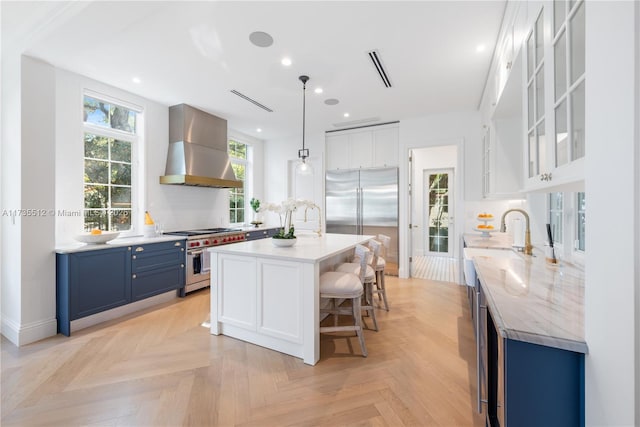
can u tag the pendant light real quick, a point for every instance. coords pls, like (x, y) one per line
(303, 168)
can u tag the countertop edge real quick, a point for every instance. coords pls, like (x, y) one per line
(116, 243)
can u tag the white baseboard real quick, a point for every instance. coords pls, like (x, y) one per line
(30, 332)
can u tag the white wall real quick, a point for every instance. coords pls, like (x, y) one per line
(612, 258)
(462, 130)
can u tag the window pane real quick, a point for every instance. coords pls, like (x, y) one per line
(577, 122)
(577, 43)
(555, 216)
(121, 151)
(96, 219)
(559, 14)
(562, 137)
(121, 197)
(530, 105)
(120, 174)
(96, 196)
(581, 221)
(96, 147)
(101, 113)
(239, 171)
(533, 156)
(120, 220)
(530, 60)
(541, 148)
(96, 112)
(540, 94)
(560, 64)
(96, 171)
(237, 149)
(539, 38)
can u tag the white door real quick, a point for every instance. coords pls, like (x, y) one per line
(438, 199)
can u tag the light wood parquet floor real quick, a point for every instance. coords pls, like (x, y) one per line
(159, 367)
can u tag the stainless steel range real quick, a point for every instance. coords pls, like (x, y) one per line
(198, 258)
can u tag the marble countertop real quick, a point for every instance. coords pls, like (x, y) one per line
(533, 301)
(497, 240)
(308, 248)
(120, 241)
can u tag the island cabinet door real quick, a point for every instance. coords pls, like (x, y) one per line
(237, 291)
(280, 299)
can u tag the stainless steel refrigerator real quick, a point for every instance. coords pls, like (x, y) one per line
(363, 201)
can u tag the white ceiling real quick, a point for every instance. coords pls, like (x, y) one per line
(196, 52)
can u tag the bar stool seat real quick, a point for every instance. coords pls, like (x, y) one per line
(335, 286)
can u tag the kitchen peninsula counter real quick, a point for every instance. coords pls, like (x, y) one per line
(270, 296)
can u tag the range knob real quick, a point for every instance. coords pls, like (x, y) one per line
(206, 242)
(224, 240)
(215, 242)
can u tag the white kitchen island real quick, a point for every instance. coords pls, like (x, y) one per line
(269, 296)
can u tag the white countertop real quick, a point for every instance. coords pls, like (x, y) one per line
(533, 301)
(308, 248)
(120, 241)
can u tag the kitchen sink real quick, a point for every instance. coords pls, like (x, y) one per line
(470, 271)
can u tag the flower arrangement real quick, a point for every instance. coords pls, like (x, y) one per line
(255, 205)
(286, 209)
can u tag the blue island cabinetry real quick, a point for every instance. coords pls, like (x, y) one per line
(93, 281)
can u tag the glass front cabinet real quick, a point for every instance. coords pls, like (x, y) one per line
(554, 92)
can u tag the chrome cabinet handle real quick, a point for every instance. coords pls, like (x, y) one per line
(181, 265)
(139, 249)
(134, 257)
(478, 385)
(181, 249)
(134, 276)
(177, 244)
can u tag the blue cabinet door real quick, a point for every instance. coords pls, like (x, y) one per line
(91, 282)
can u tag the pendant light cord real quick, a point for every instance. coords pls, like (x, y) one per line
(303, 154)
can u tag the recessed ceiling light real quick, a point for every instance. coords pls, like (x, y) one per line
(480, 48)
(346, 114)
(261, 39)
(136, 80)
(331, 101)
(258, 130)
(286, 61)
(318, 90)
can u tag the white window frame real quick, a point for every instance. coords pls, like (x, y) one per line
(248, 178)
(135, 139)
(568, 250)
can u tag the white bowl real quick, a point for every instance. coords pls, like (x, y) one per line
(95, 239)
(283, 242)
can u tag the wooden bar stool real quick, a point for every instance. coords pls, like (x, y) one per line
(380, 266)
(337, 286)
(369, 276)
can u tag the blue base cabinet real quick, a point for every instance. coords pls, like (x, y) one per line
(261, 233)
(157, 268)
(94, 281)
(533, 385)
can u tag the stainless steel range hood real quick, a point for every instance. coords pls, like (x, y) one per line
(198, 150)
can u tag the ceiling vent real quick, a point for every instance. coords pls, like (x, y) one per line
(253, 101)
(374, 56)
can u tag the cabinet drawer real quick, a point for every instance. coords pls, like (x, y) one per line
(157, 281)
(143, 261)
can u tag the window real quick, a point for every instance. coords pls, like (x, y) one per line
(555, 216)
(580, 233)
(110, 134)
(569, 209)
(535, 98)
(569, 76)
(238, 152)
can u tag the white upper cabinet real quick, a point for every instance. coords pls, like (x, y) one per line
(555, 100)
(371, 147)
(533, 107)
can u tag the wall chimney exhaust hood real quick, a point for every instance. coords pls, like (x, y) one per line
(198, 150)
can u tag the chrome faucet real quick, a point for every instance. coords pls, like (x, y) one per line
(528, 249)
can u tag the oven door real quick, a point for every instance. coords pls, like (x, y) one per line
(197, 270)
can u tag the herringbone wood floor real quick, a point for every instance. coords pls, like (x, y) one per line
(161, 368)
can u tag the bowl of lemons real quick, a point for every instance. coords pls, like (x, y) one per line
(97, 237)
